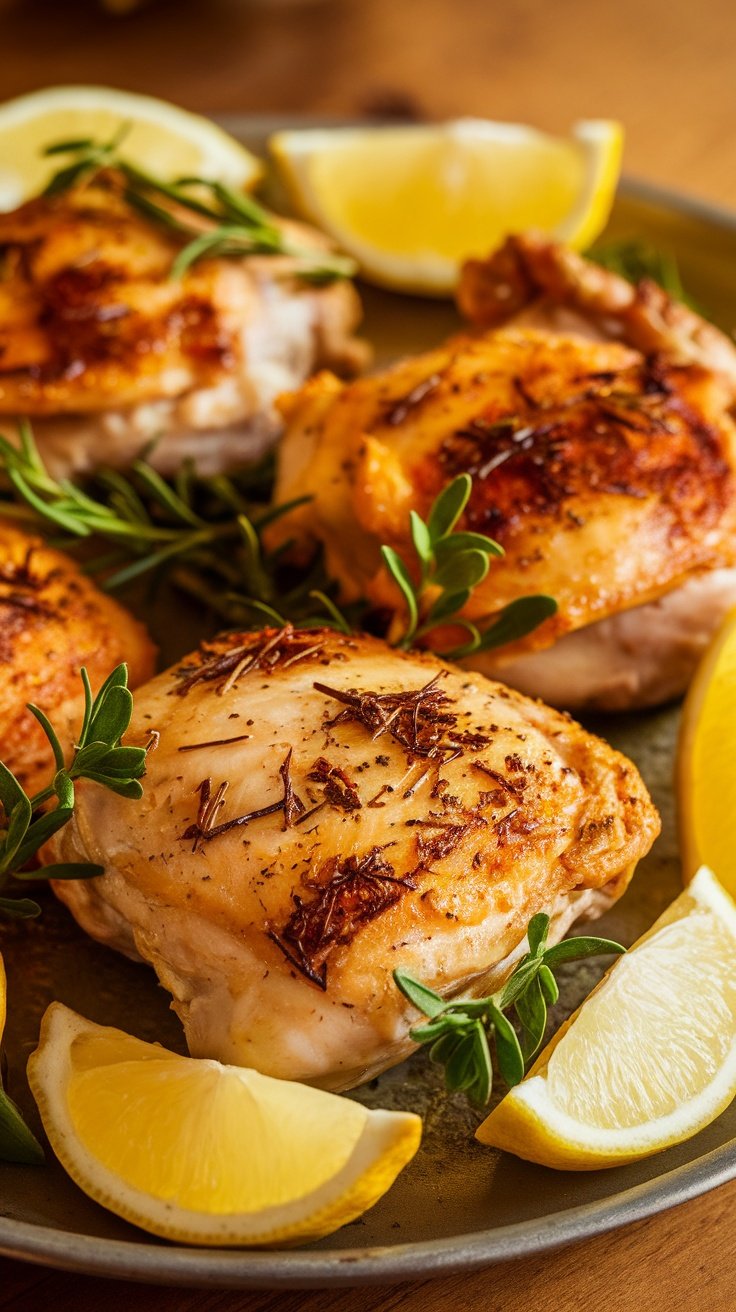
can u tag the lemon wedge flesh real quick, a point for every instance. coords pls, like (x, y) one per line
(411, 203)
(204, 1153)
(168, 141)
(706, 773)
(648, 1059)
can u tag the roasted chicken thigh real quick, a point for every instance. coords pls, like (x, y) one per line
(53, 620)
(596, 421)
(107, 352)
(321, 809)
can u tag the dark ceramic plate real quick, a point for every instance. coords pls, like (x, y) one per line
(458, 1205)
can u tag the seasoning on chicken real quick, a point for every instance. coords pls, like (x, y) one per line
(107, 352)
(53, 620)
(595, 419)
(321, 809)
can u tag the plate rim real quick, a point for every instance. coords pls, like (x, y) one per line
(142, 1260)
(146, 1262)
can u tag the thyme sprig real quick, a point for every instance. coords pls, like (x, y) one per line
(459, 1033)
(99, 756)
(211, 218)
(449, 566)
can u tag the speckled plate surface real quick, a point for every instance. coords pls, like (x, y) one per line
(458, 1205)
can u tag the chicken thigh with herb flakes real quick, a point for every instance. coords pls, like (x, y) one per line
(321, 809)
(596, 421)
(107, 351)
(53, 620)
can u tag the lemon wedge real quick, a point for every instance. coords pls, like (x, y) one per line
(706, 762)
(168, 141)
(648, 1059)
(411, 203)
(204, 1153)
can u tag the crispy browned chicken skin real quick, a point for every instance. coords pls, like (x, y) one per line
(321, 809)
(595, 420)
(106, 351)
(53, 620)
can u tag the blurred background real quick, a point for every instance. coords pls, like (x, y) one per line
(666, 68)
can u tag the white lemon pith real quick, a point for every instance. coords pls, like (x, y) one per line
(410, 203)
(706, 755)
(168, 141)
(204, 1153)
(648, 1059)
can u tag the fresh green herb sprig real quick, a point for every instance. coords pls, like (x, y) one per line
(17, 1143)
(449, 565)
(207, 532)
(211, 218)
(99, 756)
(634, 259)
(458, 1033)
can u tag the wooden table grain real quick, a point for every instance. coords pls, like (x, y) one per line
(666, 69)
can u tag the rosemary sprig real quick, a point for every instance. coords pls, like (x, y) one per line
(458, 1033)
(634, 259)
(98, 755)
(449, 565)
(211, 219)
(207, 533)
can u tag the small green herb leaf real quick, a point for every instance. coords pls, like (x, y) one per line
(508, 1049)
(19, 908)
(531, 1009)
(421, 538)
(462, 571)
(419, 995)
(17, 1144)
(449, 506)
(548, 984)
(456, 542)
(401, 577)
(575, 949)
(70, 870)
(537, 931)
(518, 619)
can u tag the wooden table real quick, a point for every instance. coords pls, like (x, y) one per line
(665, 67)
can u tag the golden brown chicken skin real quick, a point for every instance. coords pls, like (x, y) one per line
(321, 809)
(53, 620)
(106, 351)
(606, 472)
